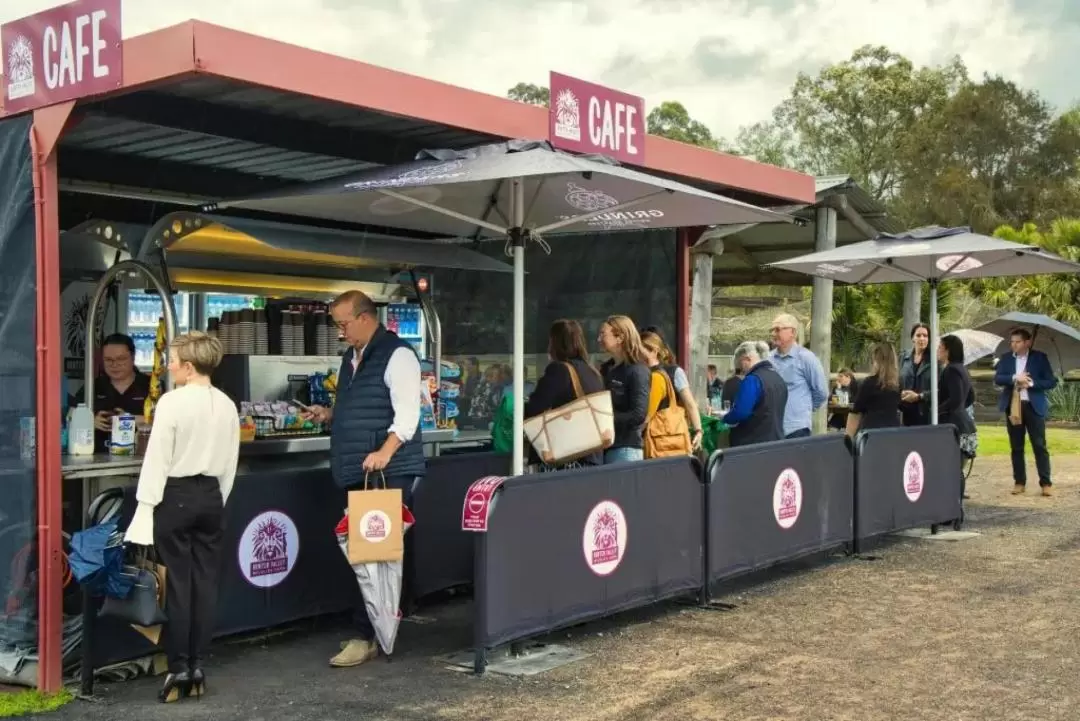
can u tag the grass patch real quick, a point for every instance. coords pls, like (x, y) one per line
(25, 703)
(994, 440)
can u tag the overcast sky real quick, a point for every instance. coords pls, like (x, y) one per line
(728, 61)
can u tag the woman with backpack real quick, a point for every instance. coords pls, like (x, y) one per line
(668, 381)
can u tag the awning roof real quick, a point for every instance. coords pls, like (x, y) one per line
(261, 113)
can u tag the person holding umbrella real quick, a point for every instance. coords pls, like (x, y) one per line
(1025, 376)
(376, 420)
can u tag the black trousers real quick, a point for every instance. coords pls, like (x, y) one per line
(364, 629)
(188, 533)
(1033, 426)
(801, 433)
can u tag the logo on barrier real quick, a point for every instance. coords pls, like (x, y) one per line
(914, 476)
(375, 525)
(604, 540)
(787, 498)
(268, 549)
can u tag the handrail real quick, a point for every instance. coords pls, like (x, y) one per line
(95, 303)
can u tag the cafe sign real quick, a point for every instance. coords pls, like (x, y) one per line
(588, 118)
(63, 53)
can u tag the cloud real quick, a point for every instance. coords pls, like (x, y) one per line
(729, 61)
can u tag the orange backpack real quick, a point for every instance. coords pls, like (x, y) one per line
(667, 432)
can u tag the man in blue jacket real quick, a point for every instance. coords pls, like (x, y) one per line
(1029, 372)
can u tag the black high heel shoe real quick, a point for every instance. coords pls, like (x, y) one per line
(177, 686)
(198, 683)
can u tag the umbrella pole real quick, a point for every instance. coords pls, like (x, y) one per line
(517, 243)
(935, 341)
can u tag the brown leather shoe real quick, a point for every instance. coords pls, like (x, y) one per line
(1018, 489)
(355, 653)
(1048, 490)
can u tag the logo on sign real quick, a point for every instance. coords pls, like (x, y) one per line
(375, 525)
(567, 116)
(604, 539)
(914, 476)
(787, 498)
(20, 68)
(268, 549)
(957, 263)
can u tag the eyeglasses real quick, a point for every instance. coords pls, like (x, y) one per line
(343, 324)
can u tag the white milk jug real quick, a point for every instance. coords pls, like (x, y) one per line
(81, 432)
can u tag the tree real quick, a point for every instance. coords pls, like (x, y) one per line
(1057, 296)
(671, 120)
(854, 118)
(993, 154)
(530, 93)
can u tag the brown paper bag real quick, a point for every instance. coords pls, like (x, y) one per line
(1016, 416)
(375, 532)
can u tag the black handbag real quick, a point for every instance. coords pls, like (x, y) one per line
(143, 606)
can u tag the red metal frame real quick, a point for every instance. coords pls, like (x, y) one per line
(194, 48)
(44, 135)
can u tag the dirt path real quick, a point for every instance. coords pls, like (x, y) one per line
(984, 629)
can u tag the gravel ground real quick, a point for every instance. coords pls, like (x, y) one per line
(982, 629)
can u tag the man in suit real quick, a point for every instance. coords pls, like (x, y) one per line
(1029, 372)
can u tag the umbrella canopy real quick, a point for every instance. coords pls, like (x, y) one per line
(518, 190)
(466, 193)
(1059, 341)
(977, 344)
(928, 254)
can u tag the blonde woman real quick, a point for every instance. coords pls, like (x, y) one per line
(660, 359)
(185, 481)
(627, 377)
(877, 403)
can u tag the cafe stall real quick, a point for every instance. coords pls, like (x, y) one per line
(277, 356)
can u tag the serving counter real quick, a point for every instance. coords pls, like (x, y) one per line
(281, 562)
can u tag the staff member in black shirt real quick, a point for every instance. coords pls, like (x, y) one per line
(122, 388)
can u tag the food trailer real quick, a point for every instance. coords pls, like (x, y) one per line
(187, 115)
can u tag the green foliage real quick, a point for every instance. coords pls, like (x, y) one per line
(670, 119)
(25, 703)
(530, 93)
(1065, 402)
(1057, 296)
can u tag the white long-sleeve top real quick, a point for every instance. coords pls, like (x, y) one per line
(196, 432)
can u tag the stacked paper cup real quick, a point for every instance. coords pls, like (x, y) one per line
(262, 336)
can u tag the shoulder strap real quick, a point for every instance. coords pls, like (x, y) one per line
(574, 379)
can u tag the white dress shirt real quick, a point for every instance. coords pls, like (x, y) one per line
(196, 431)
(402, 378)
(1021, 366)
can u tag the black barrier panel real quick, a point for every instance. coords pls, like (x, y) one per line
(905, 478)
(281, 561)
(570, 546)
(775, 502)
(441, 553)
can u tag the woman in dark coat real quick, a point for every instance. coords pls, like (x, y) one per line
(955, 392)
(915, 379)
(567, 350)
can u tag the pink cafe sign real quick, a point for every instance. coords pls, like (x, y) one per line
(63, 53)
(588, 118)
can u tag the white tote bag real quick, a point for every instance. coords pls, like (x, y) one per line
(577, 429)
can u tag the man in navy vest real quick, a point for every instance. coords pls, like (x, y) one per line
(1029, 372)
(375, 424)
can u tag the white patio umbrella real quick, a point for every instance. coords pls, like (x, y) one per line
(519, 190)
(931, 254)
(977, 343)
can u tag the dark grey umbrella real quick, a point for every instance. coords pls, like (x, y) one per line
(1059, 341)
(521, 190)
(931, 254)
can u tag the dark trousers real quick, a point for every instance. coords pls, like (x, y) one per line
(188, 532)
(1033, 426)
(801, 433)
(364, 629)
